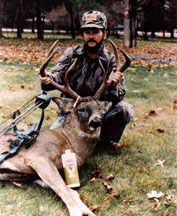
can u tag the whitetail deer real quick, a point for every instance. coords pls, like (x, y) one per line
(79, 132)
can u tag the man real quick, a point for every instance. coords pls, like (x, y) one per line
(86, 76)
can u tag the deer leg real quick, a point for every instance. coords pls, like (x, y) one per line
(81, 205)
(50, 175)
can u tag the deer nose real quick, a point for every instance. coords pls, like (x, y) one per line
(95, 123)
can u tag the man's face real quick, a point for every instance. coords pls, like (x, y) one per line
(93, 39)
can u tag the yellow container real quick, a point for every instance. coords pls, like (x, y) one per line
(70, 169)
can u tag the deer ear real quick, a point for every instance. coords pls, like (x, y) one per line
(64, 104)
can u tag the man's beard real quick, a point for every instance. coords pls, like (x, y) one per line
(94, 49)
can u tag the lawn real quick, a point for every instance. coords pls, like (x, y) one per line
(148, 161)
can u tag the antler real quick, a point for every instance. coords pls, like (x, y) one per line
(122, 68)
(66, 88)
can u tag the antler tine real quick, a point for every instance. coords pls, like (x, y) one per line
(127, 62)
(50, 55)
(66, 88)
(63, 88)
(115, 52)
(105, 83)
(44, 66)
(52, 48)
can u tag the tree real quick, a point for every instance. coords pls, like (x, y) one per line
(19, 20)
(170, 8)
(70, 7)
(39, 24)
(1, 17)
(132, 8)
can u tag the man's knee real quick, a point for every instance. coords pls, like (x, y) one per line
(122, 112)
(127, 111)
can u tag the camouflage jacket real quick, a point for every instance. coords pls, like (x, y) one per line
(86, 76)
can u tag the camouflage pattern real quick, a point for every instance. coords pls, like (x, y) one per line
(86, 77)
(94, 19)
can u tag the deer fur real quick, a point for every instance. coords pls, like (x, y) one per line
(44, 156)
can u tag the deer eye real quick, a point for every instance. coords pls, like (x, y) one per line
(81, 110)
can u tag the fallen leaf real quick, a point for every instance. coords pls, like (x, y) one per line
(160, 130)
(41, 208)
(108, 187)
(96, 172)
(93, 179)
(110, 177)
(175, 104)
(156, 206)
(17, 184)
(47, 117)
(160, 163)
(169, 197)
(22, 86)
(117, 196)
(136, 91)
(118, 146)
(94, 208)
(83, 200)
(128, 201)
(154, 194)
(151, 113)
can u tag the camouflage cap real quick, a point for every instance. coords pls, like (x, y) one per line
(94, 19)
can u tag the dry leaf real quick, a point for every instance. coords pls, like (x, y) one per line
(110, 177)
(93, 179)
(118, 146)
(83, 200)
(109, 188)
(22, 86)
(175, 104)
(160, 163)
(128, 201)
(169, 197)
(151, 113)
(160, 130)
(96, 172)
(17, 184)
(41, 208)
(154, 194)
(94, 208)
(136, 91)
(47, 117)
(156, 206)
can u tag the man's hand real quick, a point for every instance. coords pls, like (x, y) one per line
(46, 80)
(115, 76)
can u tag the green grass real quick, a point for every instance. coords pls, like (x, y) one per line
(147, 139)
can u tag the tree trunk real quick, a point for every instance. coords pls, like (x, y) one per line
(134, 30)
(40, 32)
(19, 20)
(145, 36)
(33, 25)
(1, 17)
(72, 25)
(69, 8)
(127, 25)
(130, 24)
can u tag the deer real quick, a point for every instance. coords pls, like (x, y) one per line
(79, 132)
